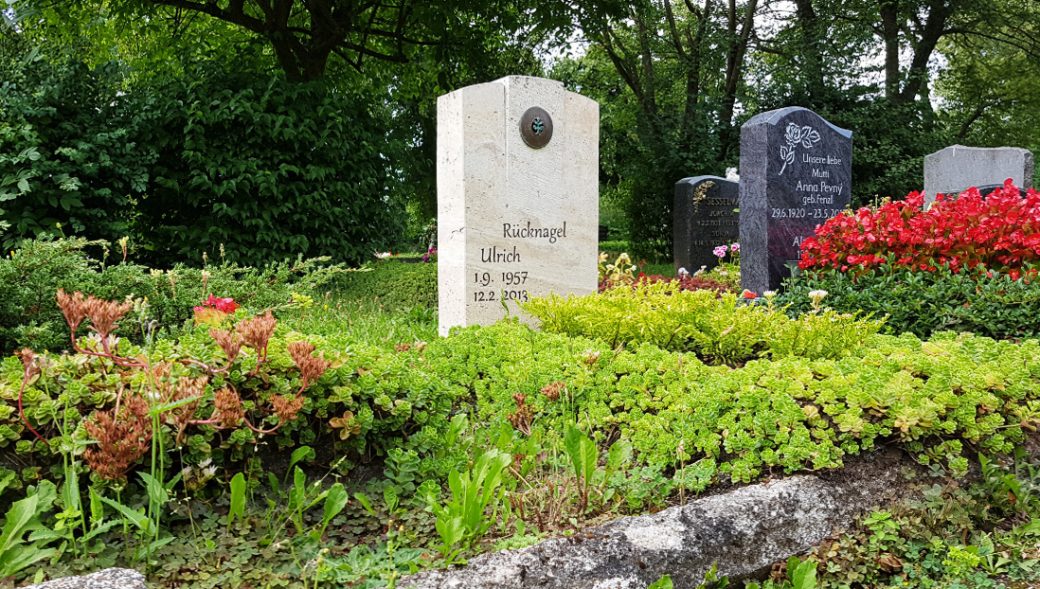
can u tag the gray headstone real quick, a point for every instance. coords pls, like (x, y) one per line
(957, 168)
(704, 216)
(795, 173)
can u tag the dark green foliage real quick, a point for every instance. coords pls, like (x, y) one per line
(31, 275)
(70, 161)
(266, 169)
(926, 302)
(211, 160)
(391, 284)
(981, 535)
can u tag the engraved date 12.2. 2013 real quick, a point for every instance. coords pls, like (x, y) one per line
(494, 285)
(513, 281)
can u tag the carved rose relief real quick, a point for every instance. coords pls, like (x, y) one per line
(806, 136)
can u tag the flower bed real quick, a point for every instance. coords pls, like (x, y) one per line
(998, 232)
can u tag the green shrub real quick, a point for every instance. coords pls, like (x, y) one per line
(218, 157)
(722, 329)
(31, 275)
(275, 170)
(923, 303)
(616, 246)
(391, 284)
(71, 159)
(689, 424)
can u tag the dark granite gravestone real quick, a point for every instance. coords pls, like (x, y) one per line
(795, 173)
(704, 216)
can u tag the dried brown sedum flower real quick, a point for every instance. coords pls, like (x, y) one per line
(311, 366)
(229, 341)
(72, 307)
(552, 391)
(227, 408)
(103, 315)
(123, 436)
(523, 416)
(257, 331)
(286, 408)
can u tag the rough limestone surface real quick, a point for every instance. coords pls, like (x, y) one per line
(104, 579)
(514, 220)
(743, 531)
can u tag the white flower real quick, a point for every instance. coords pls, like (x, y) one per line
(769, 294)
(683, 273)
(815, 296)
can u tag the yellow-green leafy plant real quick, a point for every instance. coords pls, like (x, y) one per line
(724, 329)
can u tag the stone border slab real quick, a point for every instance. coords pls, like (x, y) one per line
(742, 532)
(104, 579)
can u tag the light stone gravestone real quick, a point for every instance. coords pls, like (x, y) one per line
(704, 216)
(517, 197)
(956, 168)
(795, 173)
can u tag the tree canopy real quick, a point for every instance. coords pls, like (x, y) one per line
(675, 79)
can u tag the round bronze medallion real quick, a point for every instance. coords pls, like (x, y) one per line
(536, 127)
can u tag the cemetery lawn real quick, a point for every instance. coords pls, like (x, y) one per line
(596, 416)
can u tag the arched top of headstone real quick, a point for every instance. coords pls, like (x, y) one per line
(520, 85)
(775, 117)
(526, 80)
(698, 179)
(952, 149)
(956, 168)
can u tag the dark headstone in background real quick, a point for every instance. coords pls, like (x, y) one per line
(986, 190)
(704, 216)
(795, 173)
(990, 188)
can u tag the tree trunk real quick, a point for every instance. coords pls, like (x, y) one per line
(811, 32)
(734, 74)
(889, 10)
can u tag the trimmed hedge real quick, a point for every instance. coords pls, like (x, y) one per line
(923, 303)
(391, 284)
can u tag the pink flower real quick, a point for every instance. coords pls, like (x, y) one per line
(224, 305)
